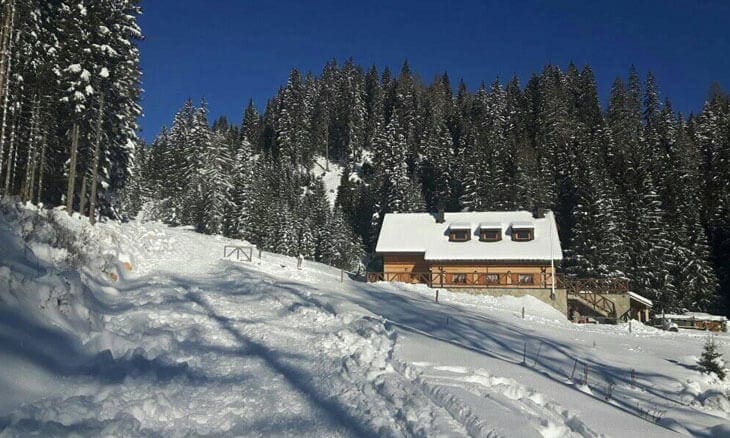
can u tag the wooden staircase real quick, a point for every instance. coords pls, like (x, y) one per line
(587, 293)
(596, 302)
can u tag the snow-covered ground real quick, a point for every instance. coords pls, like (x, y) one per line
(331, 174)
(144, 329)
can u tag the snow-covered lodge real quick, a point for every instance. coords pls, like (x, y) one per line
(496, 253)
(506, 252)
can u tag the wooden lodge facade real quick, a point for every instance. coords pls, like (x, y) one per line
(498, 253)
(486, 252)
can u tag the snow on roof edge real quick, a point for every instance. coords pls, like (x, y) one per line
(641, 299)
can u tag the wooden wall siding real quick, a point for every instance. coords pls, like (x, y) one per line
(404, 263)
(508, 274)
(413, 268)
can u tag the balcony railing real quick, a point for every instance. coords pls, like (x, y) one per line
(467, 279)
(593, 285)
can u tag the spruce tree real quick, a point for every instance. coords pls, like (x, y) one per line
(711, 360)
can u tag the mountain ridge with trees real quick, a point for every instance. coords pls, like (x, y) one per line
(639, 190)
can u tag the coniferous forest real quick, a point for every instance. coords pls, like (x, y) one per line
(69, 88)
(640, 191)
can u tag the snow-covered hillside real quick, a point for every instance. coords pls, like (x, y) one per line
(147, 330)
(331, 174)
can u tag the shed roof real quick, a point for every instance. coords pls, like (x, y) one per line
(420, 233)
(634, 296)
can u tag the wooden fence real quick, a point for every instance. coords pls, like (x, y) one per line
(242, 253)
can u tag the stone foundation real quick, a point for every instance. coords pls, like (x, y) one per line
(560, 302)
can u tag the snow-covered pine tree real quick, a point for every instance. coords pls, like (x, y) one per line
(397, 192)
(435, 167)
(291, 124)
(241, 193)
(711, 360)
(251, 126)
(373, 105)
(217, 185)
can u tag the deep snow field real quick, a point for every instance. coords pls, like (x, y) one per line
(140, 329)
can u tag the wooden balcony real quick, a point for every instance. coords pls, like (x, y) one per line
(467, 280)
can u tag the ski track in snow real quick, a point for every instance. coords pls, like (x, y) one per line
(193, 344)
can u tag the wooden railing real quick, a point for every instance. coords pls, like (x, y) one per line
(591, 291)
(597, 301)
(467, 279)
(595, 285)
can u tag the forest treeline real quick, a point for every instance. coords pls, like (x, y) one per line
(69, 93)
(639, 190)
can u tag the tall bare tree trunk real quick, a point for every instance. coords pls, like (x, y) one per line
(12, 158)
(42, 167)
(7, 17)
(72, 170)
(27, 187)
(6, 41)
(82, 200)
(5, 80)
(95, 165)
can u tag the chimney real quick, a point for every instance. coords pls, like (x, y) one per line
(440, 216)
(538, 213)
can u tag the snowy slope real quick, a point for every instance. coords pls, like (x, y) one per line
(189, 343)
(331, 174)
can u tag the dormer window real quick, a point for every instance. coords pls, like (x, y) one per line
(490, 234)
(490, 231)
(523, 234)
(459, 232)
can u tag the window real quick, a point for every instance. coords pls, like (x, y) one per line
(522, 234)
(459, 278)
(459, 235)
(490, 235)
(525, 278)
(492, 278)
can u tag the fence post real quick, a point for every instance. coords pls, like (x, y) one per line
(259, 253)
(585, 374)
(629, 326)
(537, 356)
(437, 296)
(523, 312)
(524, 354)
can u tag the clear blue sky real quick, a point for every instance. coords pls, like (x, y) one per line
(230, 50)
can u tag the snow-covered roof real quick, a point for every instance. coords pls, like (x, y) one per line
(688, 316)
(420, 233)
(522, 225)
(639, 298)
(460, 226)
(490, 225)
